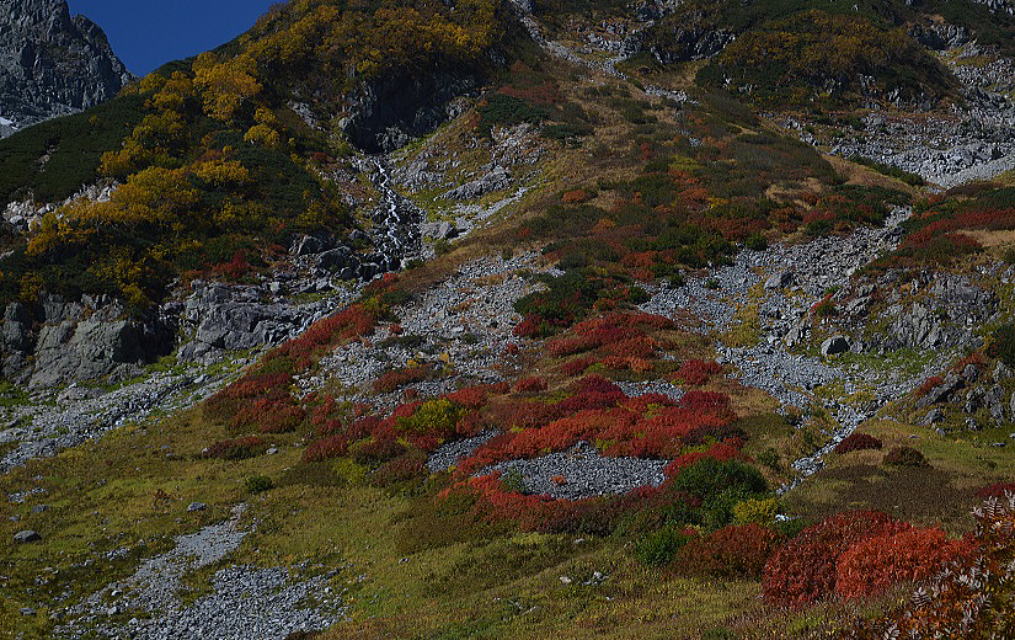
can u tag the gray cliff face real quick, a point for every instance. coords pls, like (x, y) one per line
(52, 64)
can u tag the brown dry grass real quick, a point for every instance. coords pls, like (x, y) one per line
(860, 175)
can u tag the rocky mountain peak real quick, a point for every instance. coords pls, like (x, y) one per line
(52, 63)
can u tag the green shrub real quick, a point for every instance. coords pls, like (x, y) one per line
(756, 242)
(74, 145)
(259, 484)
(504, 110)
(657, 549)
(710, 477)
(818, 56)
(514, 481)
(1002, 344)
(888, 170)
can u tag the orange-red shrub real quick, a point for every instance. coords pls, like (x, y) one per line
(398, 378)
(577, 367)
(721, 451)
(730, 552)
(352, 322)
(270, 416)
(927, 385)
(875, 564)
(476, 397)
(697, 372)
(332, 446)
(804, 569)
(971, 600)
(996, 490)
(530, 385)
(408, 466)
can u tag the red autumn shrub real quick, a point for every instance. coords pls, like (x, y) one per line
(375, 450)
(222, 406)
(641, 347)
(393, 380)
(383, 284)
(352, 322)
(530, 326)
(804, 569)
(521, 414)
(575, 196)
(236, 449)
(873, 565)
(972, 599)
(530, 385)
(476, 397)
(329, 427)
(235, 268)
(730, 552)
(721, 451)
(577, 367)
(269, 416)
(976, 358)
(857, 442)
(471, 424)
(409, 465)
(996, 490)
(363, 427)
(333, 446)
(705, 401)
(927, 385)
(697, 372)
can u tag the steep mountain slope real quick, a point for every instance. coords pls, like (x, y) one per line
(52, 63)
(494, 320)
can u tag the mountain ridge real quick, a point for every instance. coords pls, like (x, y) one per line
(52, 64)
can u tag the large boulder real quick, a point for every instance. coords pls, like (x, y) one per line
(24, 537)
(835, 345)
(91, 339)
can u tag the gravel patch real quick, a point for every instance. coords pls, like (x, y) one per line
(585, 473)
(246, 602)
(52, 424)
(662, 387)
(448, 454)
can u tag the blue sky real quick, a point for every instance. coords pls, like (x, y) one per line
(147, 33)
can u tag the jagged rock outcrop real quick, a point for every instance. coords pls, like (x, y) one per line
(51, 63)
(693, 35)
(389, 112)
(941, 311)
(220, 316)
(68, 341)
(999, 6)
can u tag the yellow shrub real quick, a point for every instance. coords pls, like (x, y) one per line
(756, 511)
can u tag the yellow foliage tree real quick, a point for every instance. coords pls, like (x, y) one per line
(225, 85)
(264, 135)
(222, 173)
